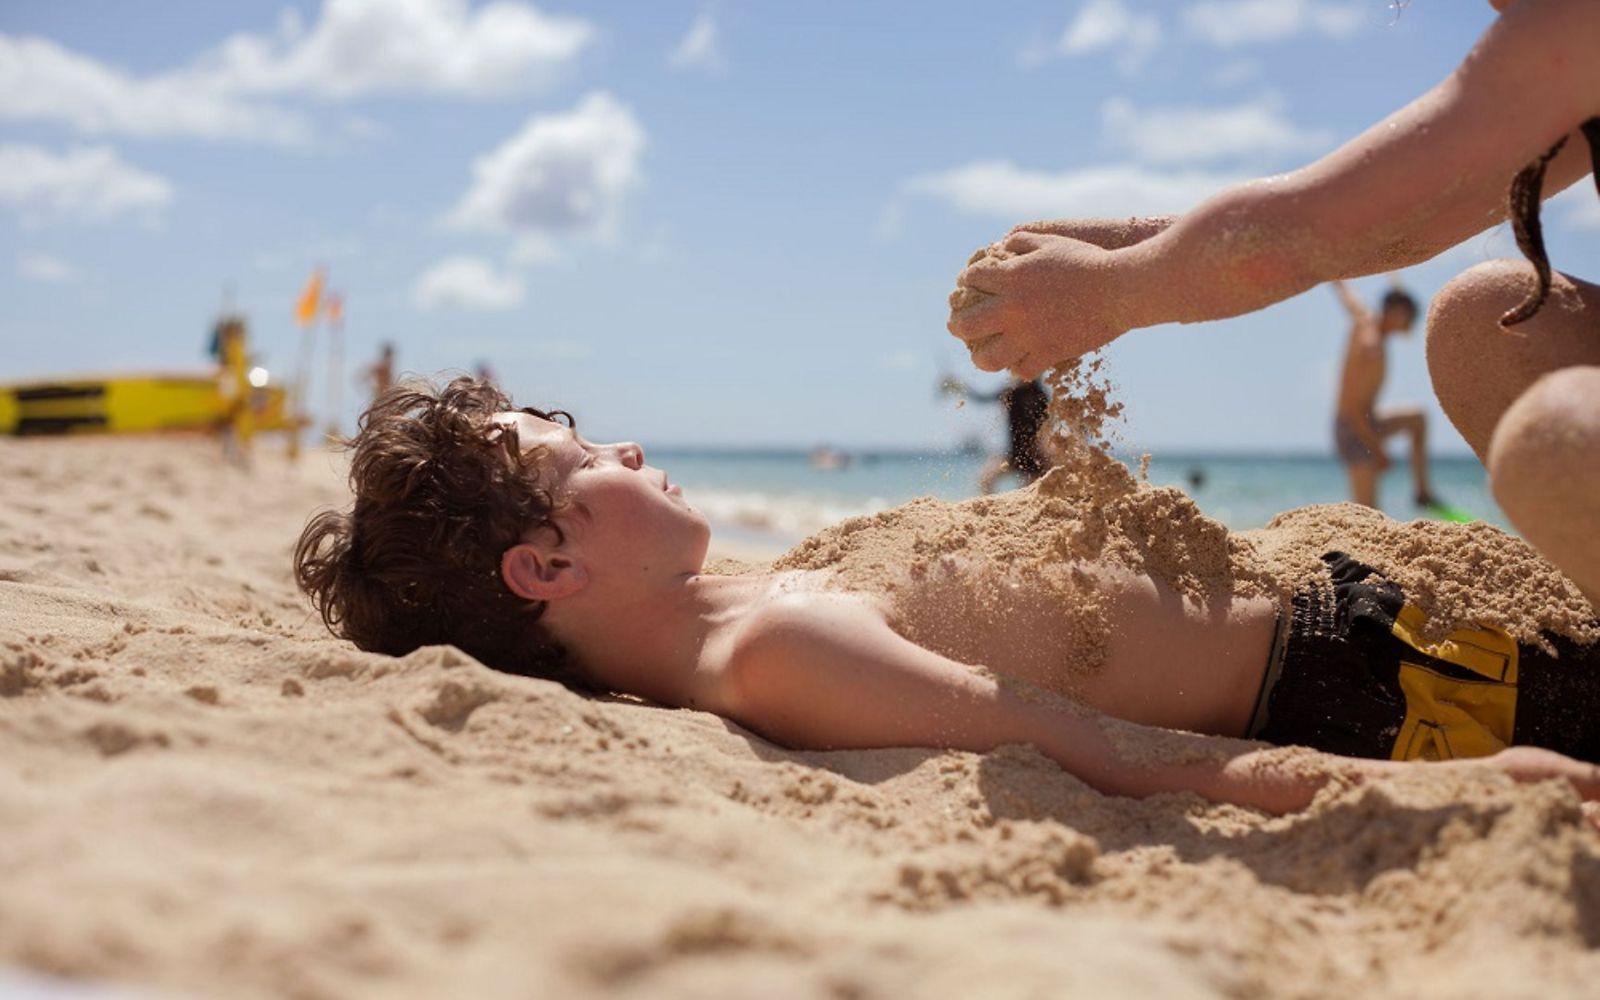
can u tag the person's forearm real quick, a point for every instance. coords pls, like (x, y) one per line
(1121, 758)
(1254, 245)
(1260, 243)
(1107, 234)
(1424, 179)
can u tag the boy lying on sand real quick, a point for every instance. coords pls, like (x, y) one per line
(505, 533)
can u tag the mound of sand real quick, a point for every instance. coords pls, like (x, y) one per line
(204, 793)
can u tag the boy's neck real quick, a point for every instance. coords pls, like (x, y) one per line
(664, 644)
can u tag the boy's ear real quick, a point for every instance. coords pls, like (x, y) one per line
(535, 573)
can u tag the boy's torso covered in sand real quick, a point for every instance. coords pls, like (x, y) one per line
(1114, 639)
(1131, 602)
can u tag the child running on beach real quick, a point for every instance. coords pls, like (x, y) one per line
(1513, 348)
(507, 534)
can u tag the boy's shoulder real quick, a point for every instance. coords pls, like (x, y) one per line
(779, 622)
(795, 629)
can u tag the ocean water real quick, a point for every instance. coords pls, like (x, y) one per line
(776, 497)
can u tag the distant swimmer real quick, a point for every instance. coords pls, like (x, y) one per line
(1026, 403)
(826, 459)
(1359, 427)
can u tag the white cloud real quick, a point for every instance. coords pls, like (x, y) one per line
(1000, 189)
(561, 175)
(362, 47)
(356, 48)
(45, 269)
(700, 47)
(1102, 25)
(534, 250)
(89, 184)
(466, 283)
(1229, 23)
(41, 81)
(1193, 134)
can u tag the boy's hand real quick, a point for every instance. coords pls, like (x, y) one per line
(1044, 299)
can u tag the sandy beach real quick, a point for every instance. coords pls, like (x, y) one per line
(203, 793)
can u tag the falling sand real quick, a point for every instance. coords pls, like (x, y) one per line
(1090, 509)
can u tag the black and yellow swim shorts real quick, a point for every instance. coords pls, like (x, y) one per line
(1352, 675)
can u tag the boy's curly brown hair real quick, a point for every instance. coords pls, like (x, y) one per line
(441, 491)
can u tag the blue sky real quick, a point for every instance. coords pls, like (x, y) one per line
(726, 223)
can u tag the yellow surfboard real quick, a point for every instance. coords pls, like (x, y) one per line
(130, 404)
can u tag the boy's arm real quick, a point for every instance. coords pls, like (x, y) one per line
(1352, 305)
(825, 674)
(1427, 177)
(1430, 175)
(954, 385)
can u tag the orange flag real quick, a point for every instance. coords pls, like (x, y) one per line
(333, 309)
(305, 310)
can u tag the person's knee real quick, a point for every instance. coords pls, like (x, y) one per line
(1463, 338)
(1473, 301)
(1544, 460)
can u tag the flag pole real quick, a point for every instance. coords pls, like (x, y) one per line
(307, 312)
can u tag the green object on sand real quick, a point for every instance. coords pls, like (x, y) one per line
(1445, 512)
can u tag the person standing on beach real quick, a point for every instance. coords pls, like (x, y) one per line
(380, 374)
(1026, 403)
(1513, 347)
(1359, 427)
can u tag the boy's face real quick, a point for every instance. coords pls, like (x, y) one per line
(620, 515)
(1398, 319)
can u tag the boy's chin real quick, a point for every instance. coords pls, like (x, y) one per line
(703, 546)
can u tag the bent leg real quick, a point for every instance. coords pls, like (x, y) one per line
(1528, 401)
(1478, 369)
(1544, 466)
(1413, 423)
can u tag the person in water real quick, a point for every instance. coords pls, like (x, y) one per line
(1513, 347)
(1359, 427)
(506, 533)
(1026, 402)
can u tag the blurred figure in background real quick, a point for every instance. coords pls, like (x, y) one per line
(1359, 427)
(1026, 403)
(380, 375)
